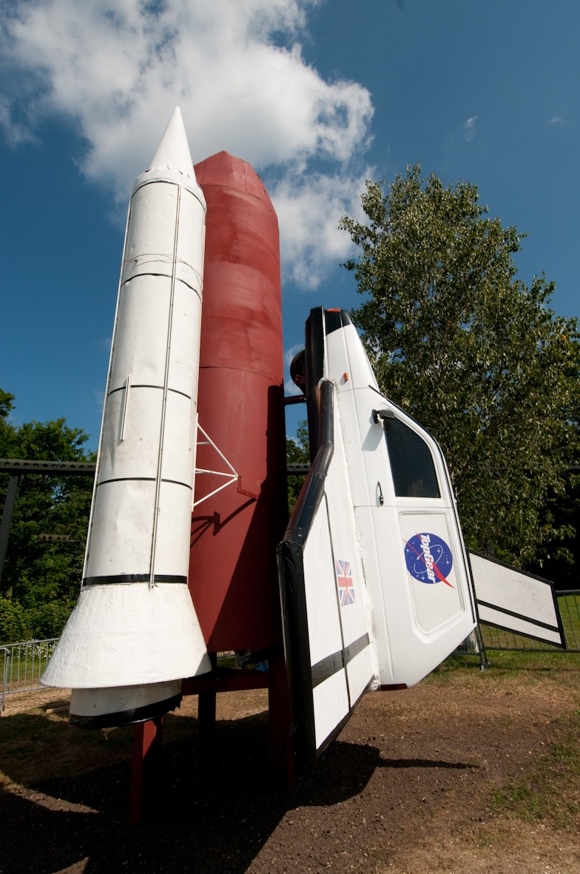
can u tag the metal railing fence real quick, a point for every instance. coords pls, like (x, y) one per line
(21, 665)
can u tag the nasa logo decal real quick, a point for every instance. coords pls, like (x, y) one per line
(429, 559)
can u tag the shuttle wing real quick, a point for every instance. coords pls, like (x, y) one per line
(324, 596)
(516, 601)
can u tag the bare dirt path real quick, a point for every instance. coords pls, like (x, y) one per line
(467, 772)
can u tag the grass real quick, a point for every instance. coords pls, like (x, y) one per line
(552, 790)
(548, 794)
(525, 665)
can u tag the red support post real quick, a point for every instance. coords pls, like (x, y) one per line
(146, 768)
(206, 719)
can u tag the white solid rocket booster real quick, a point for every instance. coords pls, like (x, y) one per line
(134, 634)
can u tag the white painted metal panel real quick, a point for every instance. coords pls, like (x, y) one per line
(360, 672)
(324, 631)
(331, 706)
(416, 627)
(141, 339)
(381, 607)
(120, 699)
(515, 600)
(177, 441)
(355, 603)
(127, 408)
(432, 570)
(355, 606)
(126, 547)
(173, 530)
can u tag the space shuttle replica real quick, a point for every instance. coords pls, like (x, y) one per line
(190, 551)
(375, 581)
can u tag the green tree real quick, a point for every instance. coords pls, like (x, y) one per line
(13, 622)
(6, 405)
(476, 356)
(45, 554)
(297, 452)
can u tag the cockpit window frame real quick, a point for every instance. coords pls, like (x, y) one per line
(413, 467)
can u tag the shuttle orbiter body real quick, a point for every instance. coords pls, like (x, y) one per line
(375, 579)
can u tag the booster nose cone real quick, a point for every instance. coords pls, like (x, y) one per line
(172, 153)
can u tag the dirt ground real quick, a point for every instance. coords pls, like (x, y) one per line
(468, 772)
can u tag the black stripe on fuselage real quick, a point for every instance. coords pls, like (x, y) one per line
(334, 663)
(518, 616)
(143, 479)
(111, 579)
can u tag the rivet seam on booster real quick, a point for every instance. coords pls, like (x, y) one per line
(144, 385)
(185, 182)
(178, 279)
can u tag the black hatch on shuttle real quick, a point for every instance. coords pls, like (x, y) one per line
(335, 319)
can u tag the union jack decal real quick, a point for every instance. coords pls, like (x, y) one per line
(345, 583)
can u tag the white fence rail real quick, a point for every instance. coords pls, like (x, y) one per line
(21, 665)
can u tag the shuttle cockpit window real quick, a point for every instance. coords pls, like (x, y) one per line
(412, 464)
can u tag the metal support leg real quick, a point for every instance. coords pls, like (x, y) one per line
(7, 520)
(206, 720)
(282, 765)
(483, 659)
(146, 768)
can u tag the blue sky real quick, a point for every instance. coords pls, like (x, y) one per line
(317, 96)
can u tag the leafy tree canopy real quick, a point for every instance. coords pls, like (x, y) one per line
(6, 404)
(471, 352)
(297, 452)
(45, 555)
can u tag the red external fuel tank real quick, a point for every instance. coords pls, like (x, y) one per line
(233, 575)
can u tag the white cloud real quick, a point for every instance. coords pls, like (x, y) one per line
(469, 128)
(290, 387)
(116, 69)
(15, 132)
(290, 353)
(557, 119)
(309, 207)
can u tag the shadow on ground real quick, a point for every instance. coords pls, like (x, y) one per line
(216, 825)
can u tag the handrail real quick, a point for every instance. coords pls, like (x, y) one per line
(313, 488)
(24, 661)
(5, 650)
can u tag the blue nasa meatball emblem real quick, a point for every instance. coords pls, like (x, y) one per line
(428, 559)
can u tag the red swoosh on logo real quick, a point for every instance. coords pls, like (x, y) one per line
(435, 568)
